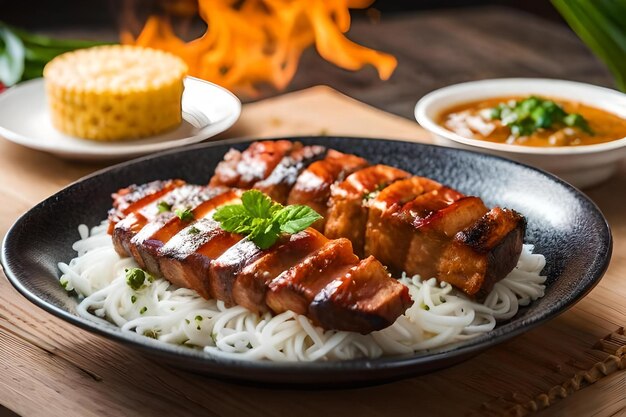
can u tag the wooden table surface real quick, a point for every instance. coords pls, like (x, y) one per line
(573, 365)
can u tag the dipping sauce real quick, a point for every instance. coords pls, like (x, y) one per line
(533, 121)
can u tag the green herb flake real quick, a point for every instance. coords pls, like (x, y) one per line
(152, 333)
(135, 278)
(133, 299)
(187, 321)
(143, 310)
(164, 207)
(185, 215)
(193, 231)
(262, 220)
(198, 318)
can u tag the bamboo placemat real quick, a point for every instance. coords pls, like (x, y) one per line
(573, 365)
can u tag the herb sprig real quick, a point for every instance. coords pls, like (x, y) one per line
(526, 116)
(263, 220)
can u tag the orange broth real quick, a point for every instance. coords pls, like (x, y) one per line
(472, 120)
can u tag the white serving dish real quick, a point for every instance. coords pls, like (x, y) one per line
(208, 109)
(582, 166)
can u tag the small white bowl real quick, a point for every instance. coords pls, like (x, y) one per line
(582, 166)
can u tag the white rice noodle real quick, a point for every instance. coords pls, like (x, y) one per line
(439, 316)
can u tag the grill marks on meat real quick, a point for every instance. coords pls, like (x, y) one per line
(198, 254)
(312, 187)
(432, 231)
(420, 227)
(157, 233)
(244, 169)
(133, 198)
(295, 288)
(348, 206)
(405, 222)
(279, 183)
(186, 259)
(251, 285)
(481, 254)
(363, 296)
(123, 230)
(388, 235)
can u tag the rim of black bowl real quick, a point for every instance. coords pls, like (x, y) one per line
(362, 370)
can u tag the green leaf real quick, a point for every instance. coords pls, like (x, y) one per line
(265, 234)
(257, 204)
(293, 219)
(11, 57)
(600, 24)
(234, 218)
(262, 220)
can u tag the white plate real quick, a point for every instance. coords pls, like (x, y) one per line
(208, 109)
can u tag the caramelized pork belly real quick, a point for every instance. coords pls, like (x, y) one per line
(436, 217)
(134, 197)
(158, 232)
(388, 235)
(349, 200)
(483, 253)
(295, 288)
(279, 183)
(251, 284)
(312, 187)
(362, 300)
(226, 269)
(244, 169)
(157, 210)
(186, 259)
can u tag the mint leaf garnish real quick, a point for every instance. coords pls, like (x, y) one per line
(262, 220)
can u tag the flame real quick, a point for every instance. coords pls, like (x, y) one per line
(249, 43)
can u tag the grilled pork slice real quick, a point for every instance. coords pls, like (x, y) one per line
(125, 229)
(485, 252)
(349, 201)
(312, 187)
(435, 221)
(279, 183)
(251, 284)
(387, 235)
(362, 300)
(244, 169)
(186, 259)
(149, 240)
(295, 288)
(225, 270)
(133, 198)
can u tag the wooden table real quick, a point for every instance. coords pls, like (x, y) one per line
(573, 364)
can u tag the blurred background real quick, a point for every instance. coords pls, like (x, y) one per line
(105, 13)
(434, 43)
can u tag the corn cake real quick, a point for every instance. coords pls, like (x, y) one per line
(115, 92)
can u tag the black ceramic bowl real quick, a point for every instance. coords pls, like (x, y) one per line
(563, 224)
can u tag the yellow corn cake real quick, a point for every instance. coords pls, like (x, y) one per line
(115, 92)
